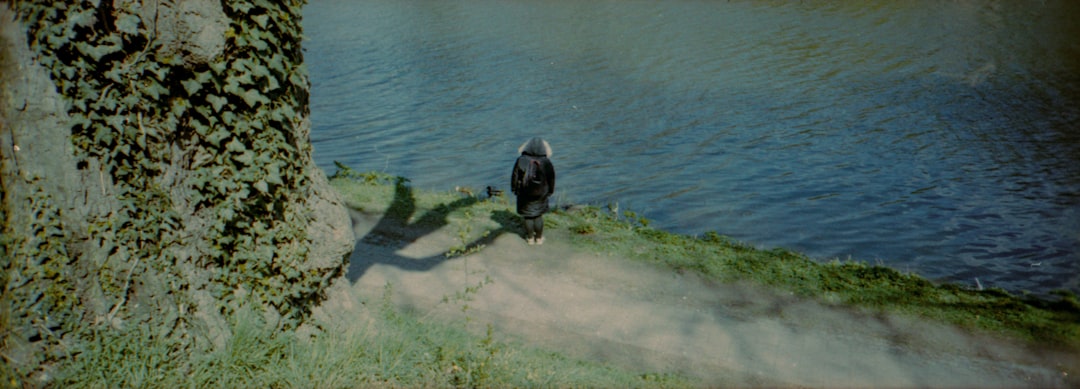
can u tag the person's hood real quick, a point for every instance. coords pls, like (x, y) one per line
(536, 147)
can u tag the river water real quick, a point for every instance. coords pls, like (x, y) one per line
(941, 138)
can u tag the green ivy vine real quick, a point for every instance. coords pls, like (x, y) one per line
(38, 282)
(235, 124)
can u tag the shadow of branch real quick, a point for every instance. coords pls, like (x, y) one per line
(398, 228)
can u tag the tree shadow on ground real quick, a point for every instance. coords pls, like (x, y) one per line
(394, 232)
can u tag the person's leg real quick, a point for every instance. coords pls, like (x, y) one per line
(539, 228)
(530, 230)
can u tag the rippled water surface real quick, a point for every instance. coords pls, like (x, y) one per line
(936, 137)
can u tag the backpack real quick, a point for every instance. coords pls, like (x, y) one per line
(532, 181)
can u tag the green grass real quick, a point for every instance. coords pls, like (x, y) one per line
(1053, 322)
(390, 349)
(1050, 321)
(393, 348)
(379, 346)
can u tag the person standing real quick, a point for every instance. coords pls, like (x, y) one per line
(533, 181)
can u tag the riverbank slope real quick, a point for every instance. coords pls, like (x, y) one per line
(599, 290)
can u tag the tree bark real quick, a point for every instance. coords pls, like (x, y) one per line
(156, 170)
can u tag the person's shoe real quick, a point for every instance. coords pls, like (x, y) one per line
(530, 241)
(539, 241)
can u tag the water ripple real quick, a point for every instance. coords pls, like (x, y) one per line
(934, 137)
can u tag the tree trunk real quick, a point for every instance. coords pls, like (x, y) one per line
(156, 171)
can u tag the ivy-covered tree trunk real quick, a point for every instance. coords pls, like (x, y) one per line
(156, 172)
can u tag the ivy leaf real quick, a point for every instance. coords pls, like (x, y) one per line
(241, 65)
(116, 121)
(114, 74)
(199, 127)
(98, 51)
(202, 157)
(152, 132)
(259, 44)
(57, 40)
(253, 97)
(298, 79)
(225, 186)
(272, 83)
(130, 100)
(108, 102)
(260, 71)
(191, 86)
(241, 127)
(235, 146)
(232, 86)
(161, 72)
(277, 62)
(278, 113)
(243, 77)
(241, 6)
(127, 23)
(217, 136)
(228, 117)
(219, 66)
(216, 101)
(178, 107)
(227, 213)
(79, 120)
(261, 186)
(82, 18)
(261, 20)
(203, 77)
(154, 89)
(273, 174)
(246, 158)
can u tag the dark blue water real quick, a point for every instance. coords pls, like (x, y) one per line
(938, 138)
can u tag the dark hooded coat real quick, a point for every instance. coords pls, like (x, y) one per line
(532, 200)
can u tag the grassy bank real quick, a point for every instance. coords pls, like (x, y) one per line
(1051, 322)
(851, 283)
(381, 345)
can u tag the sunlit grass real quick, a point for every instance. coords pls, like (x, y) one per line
(388, 347)
(1053, 321)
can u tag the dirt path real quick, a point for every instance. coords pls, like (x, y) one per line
(650, 320)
